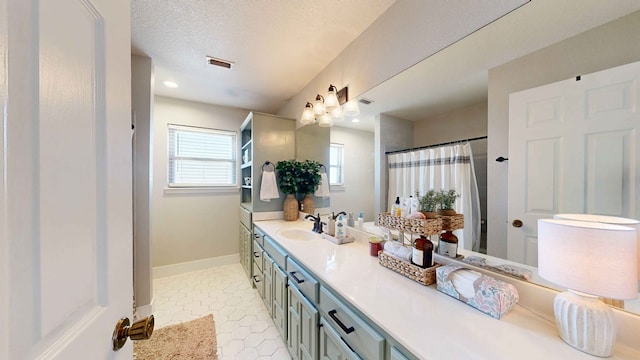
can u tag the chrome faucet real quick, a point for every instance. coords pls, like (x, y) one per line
(317, 223)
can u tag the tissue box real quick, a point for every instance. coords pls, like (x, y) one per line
(492, 296)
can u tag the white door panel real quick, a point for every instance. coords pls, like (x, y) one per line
(67, 239)
(573, 148)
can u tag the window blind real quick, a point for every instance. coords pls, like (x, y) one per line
(201, 157)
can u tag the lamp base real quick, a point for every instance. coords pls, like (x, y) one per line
(585, 323)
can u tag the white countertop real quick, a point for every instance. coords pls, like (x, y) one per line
(430, 324)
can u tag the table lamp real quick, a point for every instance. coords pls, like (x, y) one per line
(590, 259)
(605, 219)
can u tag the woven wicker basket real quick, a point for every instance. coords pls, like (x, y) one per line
(308, 204)
(416, 226)
(453, 222)
(423, 276)
(290, 208)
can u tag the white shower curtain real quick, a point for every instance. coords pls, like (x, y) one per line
(440, 168)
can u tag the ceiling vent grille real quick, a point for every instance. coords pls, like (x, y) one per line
(220, 62)
(365, 101)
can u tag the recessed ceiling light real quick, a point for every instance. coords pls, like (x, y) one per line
(355, 120)
(170, 84)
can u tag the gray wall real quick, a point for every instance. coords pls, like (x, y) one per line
(142, 106)
(464, 123)
(610, 45)
(358, 173)
(190, 225)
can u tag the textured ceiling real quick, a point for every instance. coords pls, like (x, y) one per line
(278, 46)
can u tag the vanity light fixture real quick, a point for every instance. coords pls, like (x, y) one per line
(591, 260)
(327, 109)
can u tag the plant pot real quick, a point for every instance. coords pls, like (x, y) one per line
(446, 212)
(308, 204)
(290, 208)
(430, 214)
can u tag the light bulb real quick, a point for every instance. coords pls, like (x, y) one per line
(331, 100)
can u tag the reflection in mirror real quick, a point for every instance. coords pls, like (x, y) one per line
(527, 48)
(312, 143)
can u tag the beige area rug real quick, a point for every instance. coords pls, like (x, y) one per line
(193, 340)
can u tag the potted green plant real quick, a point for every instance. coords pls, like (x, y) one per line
(429, 203)
(447, 199)
(308, 181)
(287, 172)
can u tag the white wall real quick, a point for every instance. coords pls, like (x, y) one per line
(189, 226)
(397, 41)
(609, 45)
(358, 173)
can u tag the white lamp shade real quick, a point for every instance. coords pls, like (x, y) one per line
(351, 108)
(325, 120)
(307, 116)
(336, 114)
(318, 108)
(594, 258)
(331, 101)
(606, 220)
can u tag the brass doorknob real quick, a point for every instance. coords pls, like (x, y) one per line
(517, 223)
(140, 330)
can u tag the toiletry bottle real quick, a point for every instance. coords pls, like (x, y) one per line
(331, 225)
(360, 220)
(448, 245)
(350, 220)
(422, 252)
(395, 209)
(340, 228)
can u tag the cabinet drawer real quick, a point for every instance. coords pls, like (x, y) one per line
(397, 354)
(361, 337)
(245, 217)
(277, 254)
(258, 280)
(331, 346)
(258, 236)
(257, 255)
(306, 283)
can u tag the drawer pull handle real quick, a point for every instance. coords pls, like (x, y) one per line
(257, 236)
(256, 254)
(293, 275)
(256, 278)
(347, 330)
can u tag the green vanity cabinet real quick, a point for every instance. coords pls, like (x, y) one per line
(280, 301)
(397, 354)
(302, 330)
(267, 273)
(331, 347)
(258, 277)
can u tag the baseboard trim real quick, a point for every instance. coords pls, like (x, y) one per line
(185, 267)
(144, 310)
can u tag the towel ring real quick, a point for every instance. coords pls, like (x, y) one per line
(267, 163)
(322, 167)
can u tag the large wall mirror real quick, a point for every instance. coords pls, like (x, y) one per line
(312, 143)
(533, 46)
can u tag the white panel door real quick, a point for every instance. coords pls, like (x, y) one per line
(65, 201)
(573, 149)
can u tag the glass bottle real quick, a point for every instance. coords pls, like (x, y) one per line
(448, 245)
(422, 252)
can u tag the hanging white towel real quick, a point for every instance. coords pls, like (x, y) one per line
(323, 187)
(268, 186)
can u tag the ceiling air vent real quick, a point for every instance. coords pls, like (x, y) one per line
(219, 62)
(365, 101)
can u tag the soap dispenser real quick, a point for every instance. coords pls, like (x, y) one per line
(340, 228)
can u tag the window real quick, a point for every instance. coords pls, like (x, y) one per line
(336, 164)
(201, 157)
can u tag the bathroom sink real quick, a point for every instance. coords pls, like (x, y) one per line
(298, 234)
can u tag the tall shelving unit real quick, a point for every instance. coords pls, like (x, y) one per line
(263, 137)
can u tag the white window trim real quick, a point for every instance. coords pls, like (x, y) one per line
(175, 188)
(339, 185)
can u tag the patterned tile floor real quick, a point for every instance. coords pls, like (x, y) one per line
(243, 326)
